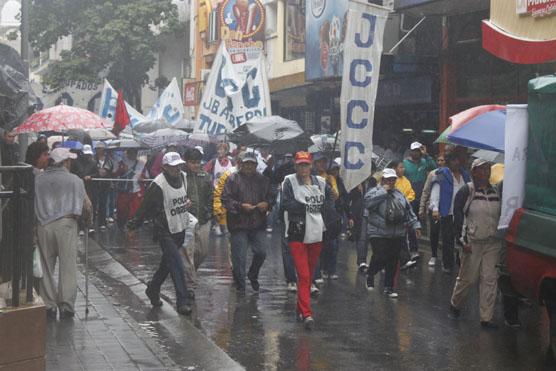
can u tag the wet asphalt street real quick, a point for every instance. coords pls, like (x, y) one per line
(355, 329)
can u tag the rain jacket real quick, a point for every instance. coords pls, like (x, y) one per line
(199, 191)
(375, 202)
(218, 208)
(404, 186)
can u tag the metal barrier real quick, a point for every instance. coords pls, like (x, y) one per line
(17, 222)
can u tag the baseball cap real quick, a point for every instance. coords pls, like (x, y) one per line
(200, 149)
(87, 150)
(60, 154)
(248, 157)
(478, 162)
(415, 145)
(389, 173)
(303, 158)
(172, 159)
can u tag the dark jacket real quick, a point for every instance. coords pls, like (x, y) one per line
(200, 192)
(152, 207)
(240, 189)
(355, 209)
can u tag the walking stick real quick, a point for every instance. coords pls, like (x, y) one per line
(86, 243)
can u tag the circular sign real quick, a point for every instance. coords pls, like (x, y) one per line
(317, 7)
(245, 17)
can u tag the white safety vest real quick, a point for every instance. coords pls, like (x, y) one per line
(175, 202)
(219, 170)
(312, 196)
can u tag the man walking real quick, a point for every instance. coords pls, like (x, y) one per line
(247, 197)
(199, 190)
(60, 200)
(476, 212)
(131, 171)
(167, 204)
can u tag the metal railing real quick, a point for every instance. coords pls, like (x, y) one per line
(17, 222)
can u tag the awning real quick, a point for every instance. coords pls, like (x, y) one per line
(517, 50)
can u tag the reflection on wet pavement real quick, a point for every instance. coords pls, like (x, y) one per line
(354, 329)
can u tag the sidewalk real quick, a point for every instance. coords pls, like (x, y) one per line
(101, 340)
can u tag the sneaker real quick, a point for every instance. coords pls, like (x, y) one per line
(66, 314)
(370, 284)
(391, 293)
(324, 276)
(102, 227)
(415, 256)
(269, 230)
(292, 287)
(363, 268)
(298, 316)
(515, 324)
(91, 230)
(409, 264)
(342, 236)
(110, 220)
(81, 233)
(319, 281)
(455, 311)
(154, 297)
(255, 284)
(334, 277)
(308, 323)
(217, 230)
(432, 262)
(446, 271)
(184, 310)
(489, 325)
(314, 289)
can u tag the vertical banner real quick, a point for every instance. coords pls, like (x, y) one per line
(168, 109)
(236, 91)
(515, 161)
(362, 53)
(108, 102)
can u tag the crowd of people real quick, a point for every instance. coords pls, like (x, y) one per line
(245, 194)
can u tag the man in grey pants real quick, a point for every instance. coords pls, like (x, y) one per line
(60, 200)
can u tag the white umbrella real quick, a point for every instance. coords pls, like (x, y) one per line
(123, 144)
(270, 128)
(164, 137)
(100, 134)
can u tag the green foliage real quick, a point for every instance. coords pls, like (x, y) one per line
(112, 38)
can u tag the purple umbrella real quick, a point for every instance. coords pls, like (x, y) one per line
(486, 131)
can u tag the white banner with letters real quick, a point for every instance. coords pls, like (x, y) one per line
(362, 53)
(81, 94)
(515, 161)
(108, 102)
(168, 109)
(236, 91)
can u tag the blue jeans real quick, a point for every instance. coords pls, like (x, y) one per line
(329, 256)
(110, 203)
(171, 263)
(287, 260)
(241, 240)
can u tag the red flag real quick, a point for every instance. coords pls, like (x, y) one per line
(121, 120)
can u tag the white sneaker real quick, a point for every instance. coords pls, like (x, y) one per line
(102, 227)
(319, 280)
(111, 220)
(409, 264)
(91, 230)
(432, 262)
(334, 277)
(324, 275)
(414, 256)
(217, 230)
(292, 287)
(314, 289)
(81, 233)
(269, 230)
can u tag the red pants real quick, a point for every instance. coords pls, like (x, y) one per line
(127, 205)
(305, 257)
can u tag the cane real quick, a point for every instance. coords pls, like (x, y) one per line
(86, 243)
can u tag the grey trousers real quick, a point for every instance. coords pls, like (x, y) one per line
(58, 241)
(194, 252)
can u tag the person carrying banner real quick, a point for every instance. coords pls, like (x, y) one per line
(167, 204)
(304, 198)
(390, 214)
(130, 191)
(247, 197)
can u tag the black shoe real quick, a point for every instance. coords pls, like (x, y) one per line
(515, 324)
(254, 284)
(455, 311)
(64, 314)
(489, 325)
(308, 323)
(390, 293)
(51, 314)
(154, 297)
(184, 310)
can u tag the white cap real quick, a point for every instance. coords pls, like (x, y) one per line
(415, 145)
(172, 159)
(338, 160)
(60, 154)
(478, 162)
(389, 173)
(200, 149)
(87, 150)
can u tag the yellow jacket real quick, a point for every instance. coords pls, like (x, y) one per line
(404, 186)
(218, 209)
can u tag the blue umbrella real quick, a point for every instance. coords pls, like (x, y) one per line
(486, 131)
(72, 144)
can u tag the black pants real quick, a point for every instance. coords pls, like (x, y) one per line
(434, 228)
(386, 254)
(447, 229)
(100, 196)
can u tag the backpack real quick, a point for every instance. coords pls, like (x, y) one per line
(395, 212)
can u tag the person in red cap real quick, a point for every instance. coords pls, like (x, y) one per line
(304, 199)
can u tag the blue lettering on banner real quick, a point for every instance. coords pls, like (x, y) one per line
(350, 108)
(171, 119)
(109, 105)
(372, 22)
(353, 71)
(250, 98)
(353, 165)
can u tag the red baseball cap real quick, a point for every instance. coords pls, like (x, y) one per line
(303, 158)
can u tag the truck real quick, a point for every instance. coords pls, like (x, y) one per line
(531, 238)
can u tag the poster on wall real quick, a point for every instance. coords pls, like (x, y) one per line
(295, 30)
(242, 24)
(236, 91)
(325, 33)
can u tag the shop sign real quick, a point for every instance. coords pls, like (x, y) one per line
(234, 93)
(536, 8)
(295, 30)
(325, 34)
(190, 94)
(363, 50)
(243, 23)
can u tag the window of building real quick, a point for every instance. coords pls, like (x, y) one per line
(294, 30)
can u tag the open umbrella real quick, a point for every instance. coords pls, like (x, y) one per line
(464, 117)
(164, 137)
(61, 119)
(485, 131)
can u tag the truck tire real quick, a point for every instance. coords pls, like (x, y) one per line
(551, 309)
